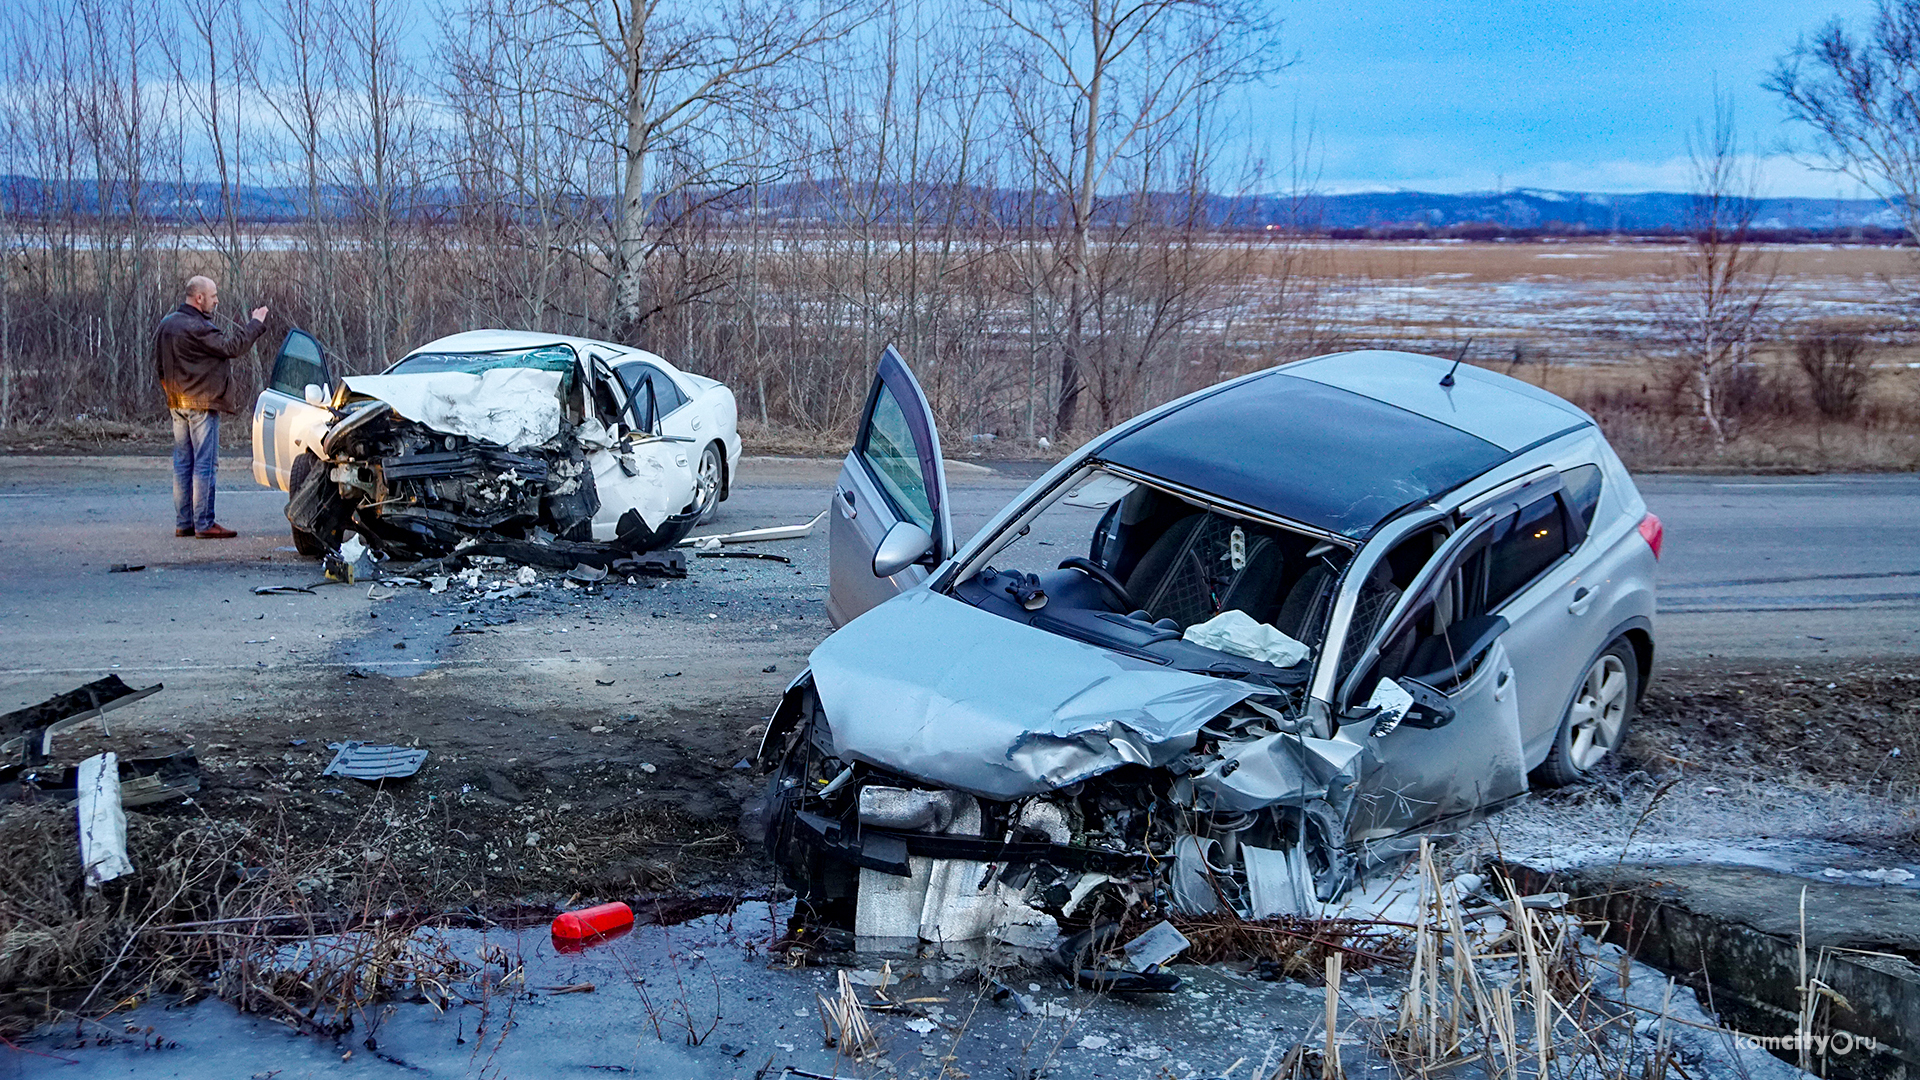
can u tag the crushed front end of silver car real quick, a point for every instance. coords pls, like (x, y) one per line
(1022, 786)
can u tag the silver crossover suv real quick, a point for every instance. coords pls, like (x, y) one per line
(1284, 626)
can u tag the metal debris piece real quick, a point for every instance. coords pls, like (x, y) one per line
(768, 555)
(360, 761)
(778, 532)
(281, 590)
(30, 731)
(126, 568)
(143, 781)
(103, 823)
(1158, 945)
(585, 574)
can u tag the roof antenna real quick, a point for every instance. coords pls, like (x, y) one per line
(1446, 381)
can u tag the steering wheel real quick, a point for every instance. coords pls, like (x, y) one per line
(1102, 575)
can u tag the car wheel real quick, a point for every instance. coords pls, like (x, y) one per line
(304, 542)
(308, 544)
(706, 484)
(1596, 720)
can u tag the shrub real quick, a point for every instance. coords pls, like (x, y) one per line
(1837, 365)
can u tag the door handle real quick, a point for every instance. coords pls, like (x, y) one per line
(1503, 684)
(1582, 600)
(849, 509)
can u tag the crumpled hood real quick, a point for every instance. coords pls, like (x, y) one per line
(937, 690)
(511, 407)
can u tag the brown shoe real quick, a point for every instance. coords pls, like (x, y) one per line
(216, 531)
(183, 532)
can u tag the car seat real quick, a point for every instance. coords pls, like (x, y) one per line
(1188, 575)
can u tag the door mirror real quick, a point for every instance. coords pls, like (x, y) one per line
(316, 394)
(904, 545)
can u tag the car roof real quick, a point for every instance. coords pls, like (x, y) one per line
(1295, 442)
(1498, 408)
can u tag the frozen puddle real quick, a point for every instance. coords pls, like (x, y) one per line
(712, 978)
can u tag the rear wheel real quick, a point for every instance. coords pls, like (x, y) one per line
(1596, 721)
(706, 483)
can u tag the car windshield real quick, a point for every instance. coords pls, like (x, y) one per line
(1124, 564)
(545, 358)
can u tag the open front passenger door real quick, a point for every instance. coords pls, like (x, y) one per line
(891, 523)
(287, 420)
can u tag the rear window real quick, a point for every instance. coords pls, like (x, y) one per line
(546, 358)
(1580, 486)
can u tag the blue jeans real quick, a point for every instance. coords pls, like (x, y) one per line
(196, 454)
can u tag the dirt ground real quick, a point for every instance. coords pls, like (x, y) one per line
(548, 802)
(1843, 722)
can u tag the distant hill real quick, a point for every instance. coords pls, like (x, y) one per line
(1569, 211)
(1519, 212)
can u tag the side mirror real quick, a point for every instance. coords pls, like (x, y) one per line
(904, 545)
(316, 394)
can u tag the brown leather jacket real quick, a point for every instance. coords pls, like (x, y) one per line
(192, 356)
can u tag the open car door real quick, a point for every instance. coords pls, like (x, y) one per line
(285, 424)
(640, 477)
(1457, 750)
(890, 524)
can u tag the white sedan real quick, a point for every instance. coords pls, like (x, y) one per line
(495, 437)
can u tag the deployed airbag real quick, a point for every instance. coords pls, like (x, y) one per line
(511, 407)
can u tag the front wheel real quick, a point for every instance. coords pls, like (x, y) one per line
(308, 544)
(1596, 720)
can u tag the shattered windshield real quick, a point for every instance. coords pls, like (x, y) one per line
(545, 358)
(1122, 564)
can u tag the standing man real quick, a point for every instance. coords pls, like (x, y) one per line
(193, 355)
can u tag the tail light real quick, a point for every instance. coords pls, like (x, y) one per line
(1653, 533)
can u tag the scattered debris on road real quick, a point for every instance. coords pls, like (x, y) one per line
(767, 555)
(103, 822)
(361, 761)
(30, 731)
(126, 568)
(752, 536)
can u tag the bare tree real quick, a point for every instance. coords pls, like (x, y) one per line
(1861, 98)
(1120, 71)
(1712, 307)
(673, 73)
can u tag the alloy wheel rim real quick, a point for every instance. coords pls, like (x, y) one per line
(709, 478)
(1599, 712)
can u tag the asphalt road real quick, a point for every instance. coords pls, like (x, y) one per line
(1773, 569)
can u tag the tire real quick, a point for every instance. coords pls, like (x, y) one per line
(1595, 723)
(308, 544)
(304, 542)
(707, 480)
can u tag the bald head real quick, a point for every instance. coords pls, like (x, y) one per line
(203, 293)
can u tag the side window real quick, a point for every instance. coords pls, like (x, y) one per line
(1534, 539)
(298, 366)
(633, 378)
(666, 394)
(892, 455)
(1580, 487)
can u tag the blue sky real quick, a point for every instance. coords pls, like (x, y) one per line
(1593, 95)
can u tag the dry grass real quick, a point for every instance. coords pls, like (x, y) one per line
(309, 933)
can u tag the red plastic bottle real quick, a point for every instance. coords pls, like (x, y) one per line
(592, 922)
